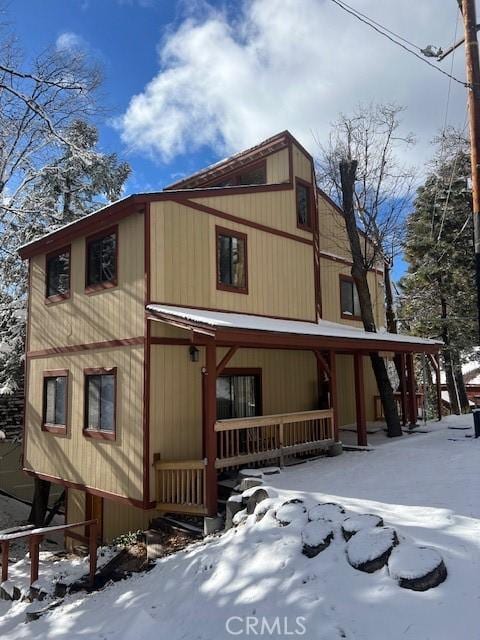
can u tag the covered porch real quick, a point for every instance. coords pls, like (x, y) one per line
(190, 485)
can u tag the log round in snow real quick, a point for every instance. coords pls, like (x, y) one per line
(327, 511)
(316, 536)
(254, 496)
(352, 525)
(369, 549)
(416, 568)
(263, 508)
(291, 511)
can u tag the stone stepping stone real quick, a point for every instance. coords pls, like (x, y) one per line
(253, 496)
(327, 511)
(316, 536)
(352, 525)
(9, 591)
(369, 549)
(291, 511)
(249, 473)
(416, 568)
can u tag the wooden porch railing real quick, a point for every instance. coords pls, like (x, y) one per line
(35, 537)
(181, 486)
(245, 440)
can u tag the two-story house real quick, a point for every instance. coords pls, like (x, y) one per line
(177, 334)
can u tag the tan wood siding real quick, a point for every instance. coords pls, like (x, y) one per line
(346, 390)
(108, 314)
(280, 270)
(114, 467)
(302, 166)
(277, 167)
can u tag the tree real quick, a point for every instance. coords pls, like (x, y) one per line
(438, 293)
(359, 168)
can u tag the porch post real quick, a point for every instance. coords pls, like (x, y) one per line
(360, 399)
(333, 392)
(412, 392)
(209, 435)
(403, 387)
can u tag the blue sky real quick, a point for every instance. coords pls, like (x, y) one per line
(188, 82)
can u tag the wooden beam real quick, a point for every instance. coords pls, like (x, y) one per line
(403, 387)
(209, 435)
(360, 400)
(333, 392)
(412, 392)
(226, 359)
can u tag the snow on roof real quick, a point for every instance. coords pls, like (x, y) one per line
(324, 328)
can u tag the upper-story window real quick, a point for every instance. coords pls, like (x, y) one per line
(100, 392)
(304, 204)
(231, 261)
(101, 260)
(57, 272)
(349, 302)
(256, 174)
(55, 392)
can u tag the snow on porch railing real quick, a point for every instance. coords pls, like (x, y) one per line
(181, 485)
(245, 440)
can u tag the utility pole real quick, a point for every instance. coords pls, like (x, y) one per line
(472, 65)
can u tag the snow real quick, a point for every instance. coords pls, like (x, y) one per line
(323, 328)
(359, 522)
(315, 533)
(292, 512)
(409, 561)
(423, 486)
(327, 511)
(369, 544)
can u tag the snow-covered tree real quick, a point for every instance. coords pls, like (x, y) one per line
(438, 294)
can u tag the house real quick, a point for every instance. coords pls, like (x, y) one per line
(177, 334)
(471, 379)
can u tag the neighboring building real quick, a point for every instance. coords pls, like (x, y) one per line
(471, 378)
(173, 335)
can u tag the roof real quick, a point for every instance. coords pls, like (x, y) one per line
(245, 328)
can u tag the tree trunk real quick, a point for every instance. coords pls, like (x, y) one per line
(389, 311)
(348, 170)
(448, 361)
(40, 502)
(460, 383)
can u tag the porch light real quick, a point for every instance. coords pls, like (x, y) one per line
(194, 353)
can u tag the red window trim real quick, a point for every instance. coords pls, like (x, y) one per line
(60, 297)
(101, 286)
(346, 316)
(247, 371)
(223, 231)
(90, 432)
(308, 185)
(56, 429)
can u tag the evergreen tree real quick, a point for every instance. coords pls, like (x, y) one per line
(75, 182)
(438, 292)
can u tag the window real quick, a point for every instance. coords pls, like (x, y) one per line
(256, 174)
(55, 392)
(231, 261)
(100, 391)
(350, 305)
(57, 272)
(303, 194)
(238, 394)
(101, 258)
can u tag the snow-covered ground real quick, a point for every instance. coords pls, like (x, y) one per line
(425, 486)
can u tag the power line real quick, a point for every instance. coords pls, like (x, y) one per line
(383, 31)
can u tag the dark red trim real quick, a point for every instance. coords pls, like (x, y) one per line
(209, 387)
(56, 429)
(96, 432)
(87, 346)
(108, 284)
(90, 513)
(360, 400)
(83, 487)
(230, 233)
(310, 224)
(343, 315)
(147, 358)
(59, 297)
(333, 391)
(412, 391)
(246, 223)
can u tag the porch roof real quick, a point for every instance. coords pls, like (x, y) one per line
(249, 330)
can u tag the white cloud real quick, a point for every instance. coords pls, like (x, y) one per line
(69, 40)
(227, 82)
